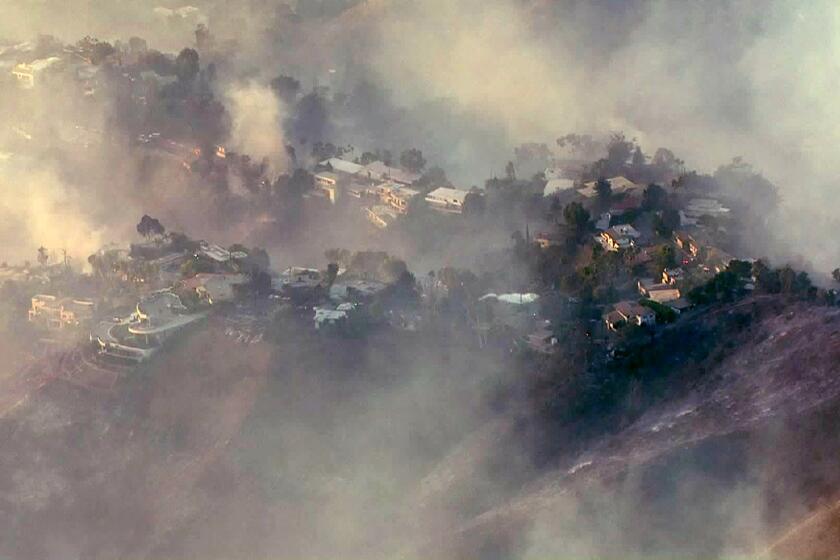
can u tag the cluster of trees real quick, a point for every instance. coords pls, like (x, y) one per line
(625, 157)
(150, 227)
(729, 284)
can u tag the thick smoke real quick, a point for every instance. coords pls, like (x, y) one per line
(466, 81)
(39, 209)
(257, 117)
(745, 79)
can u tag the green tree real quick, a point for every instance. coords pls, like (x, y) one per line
(666, 222)
(149, 227)
(766, 279)
(665, 257)
(186, 65)
(576, 217)
(604, 190)
(510, 171)
(331, 275)
(43, 256)
(638, 158)
(412, 160)
(619, 151)
(654, 197)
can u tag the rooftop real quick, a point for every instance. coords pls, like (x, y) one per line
(619, 184)
(342, 166)
(447, 195)
(632, 309)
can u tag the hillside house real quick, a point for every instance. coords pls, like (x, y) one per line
(619, 185)
(341, 167)
(671, 276)
(378, 171)
(697, 208)
(399, 198)
(448, 200)
(659, 292)
(618, 237)
(629, 313)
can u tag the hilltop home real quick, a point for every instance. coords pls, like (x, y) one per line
(341, 167)
(658, 292)
(618, 185)
(629, 312)
(444, 199)
(378, 171)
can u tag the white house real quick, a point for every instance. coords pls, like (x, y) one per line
(378, 171)
(445, 199)
(342, 166)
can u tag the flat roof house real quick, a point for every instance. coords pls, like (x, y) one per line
(449, 200)
(341, 166)
(378, 171)
(399, 198)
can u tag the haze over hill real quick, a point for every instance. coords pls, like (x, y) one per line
(381, 279)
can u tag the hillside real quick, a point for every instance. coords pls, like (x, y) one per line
(784, 372)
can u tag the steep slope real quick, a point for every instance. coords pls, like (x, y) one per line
(786, 369)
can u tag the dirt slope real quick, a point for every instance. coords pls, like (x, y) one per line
(789, 366)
